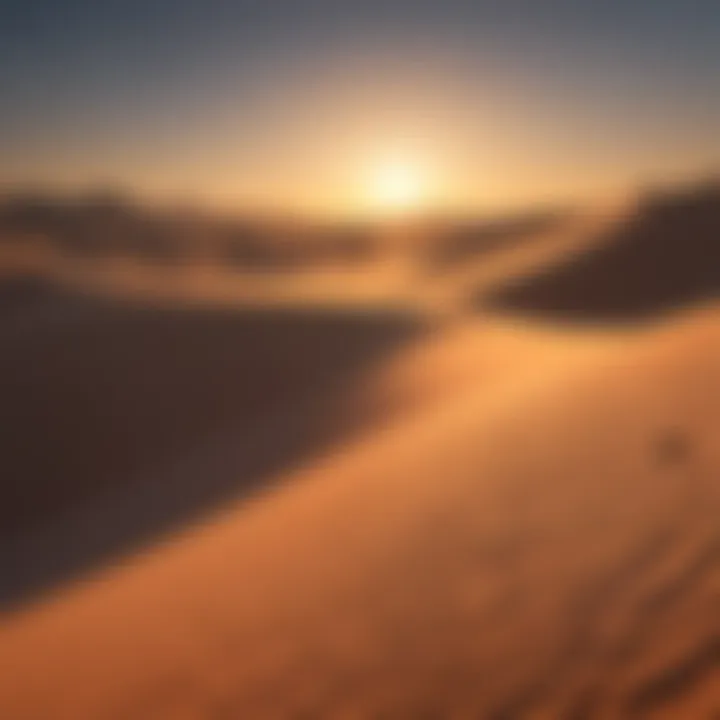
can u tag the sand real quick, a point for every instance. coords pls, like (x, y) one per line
(524, 526)
(542, 546)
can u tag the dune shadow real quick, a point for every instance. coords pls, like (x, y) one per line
(664, 257)
(120, 422)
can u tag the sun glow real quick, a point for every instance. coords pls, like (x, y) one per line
(397, 185)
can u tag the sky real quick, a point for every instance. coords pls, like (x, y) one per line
(295, 103)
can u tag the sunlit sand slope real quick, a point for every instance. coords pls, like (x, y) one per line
(543, 546)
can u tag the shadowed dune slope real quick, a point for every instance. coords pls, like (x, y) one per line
(102, 402)
(91, 391)
(17, 292)
(663, 256)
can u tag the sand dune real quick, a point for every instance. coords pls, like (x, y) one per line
(122, 421)
(495, 518)
(543, 547)
(663, 256)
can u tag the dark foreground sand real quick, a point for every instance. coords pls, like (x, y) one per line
(122, 420)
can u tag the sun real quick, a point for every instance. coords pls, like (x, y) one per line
(397, 185)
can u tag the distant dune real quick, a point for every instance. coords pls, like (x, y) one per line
(663, 256)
